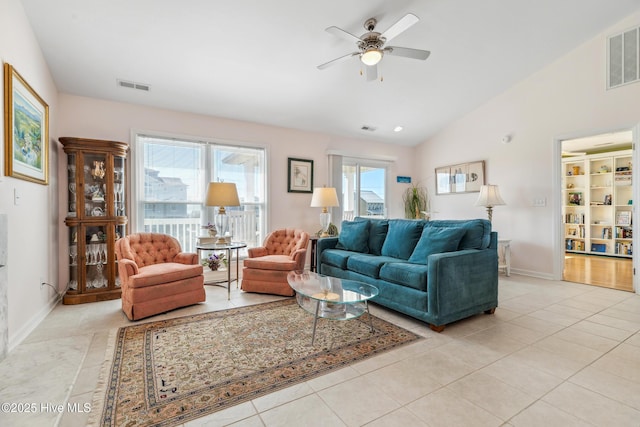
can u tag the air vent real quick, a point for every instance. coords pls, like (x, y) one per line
(133, 85)
(368, 128)
(623, 53)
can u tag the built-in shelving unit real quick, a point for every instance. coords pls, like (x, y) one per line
(597, 207)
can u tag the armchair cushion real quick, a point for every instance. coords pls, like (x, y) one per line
(164, 273)
(271, 262)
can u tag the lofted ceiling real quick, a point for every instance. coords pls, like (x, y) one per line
(255, 60)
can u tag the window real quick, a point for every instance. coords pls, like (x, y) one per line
(362, 184)
(171, 180)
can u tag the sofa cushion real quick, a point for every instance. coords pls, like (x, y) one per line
(378, 229)
(336, 257)
(477, 235)
(406, 274)
(367, 264)
(354, 236)
(401, 238)
(435, 240)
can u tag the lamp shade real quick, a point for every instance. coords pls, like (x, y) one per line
(222, 194)
(489, 196)
(324, 197)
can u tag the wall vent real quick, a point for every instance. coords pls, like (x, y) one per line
(623, 56)
(368, 128)
(133, 85)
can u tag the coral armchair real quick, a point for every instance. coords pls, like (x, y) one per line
(156, 276)
(266, 269)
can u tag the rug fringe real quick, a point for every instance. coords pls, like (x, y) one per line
(97, 403)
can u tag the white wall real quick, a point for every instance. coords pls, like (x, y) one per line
(99, 119)
(34, 223)
(566, 98)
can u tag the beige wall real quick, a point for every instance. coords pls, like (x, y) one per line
(34, 223)
(567, 98)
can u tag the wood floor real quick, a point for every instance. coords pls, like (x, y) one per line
(608, 272)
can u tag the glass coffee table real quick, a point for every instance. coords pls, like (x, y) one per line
(330, 297)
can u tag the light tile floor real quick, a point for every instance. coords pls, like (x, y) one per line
(553, 354)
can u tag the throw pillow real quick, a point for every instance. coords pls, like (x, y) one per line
(401, 238)
(435, 240)
(354, 236)
(377, 233)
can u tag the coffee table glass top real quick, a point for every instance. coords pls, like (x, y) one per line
(331, 297)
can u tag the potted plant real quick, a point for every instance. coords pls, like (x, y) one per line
(416, 202)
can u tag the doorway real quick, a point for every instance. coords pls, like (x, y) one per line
(597, 193)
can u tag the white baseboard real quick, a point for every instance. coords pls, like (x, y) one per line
(537, 274)
(33, 323)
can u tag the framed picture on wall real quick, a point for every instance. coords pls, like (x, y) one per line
(26, 130)
(460, 178)
(300, 179)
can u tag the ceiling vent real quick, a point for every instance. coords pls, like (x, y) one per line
(623, 52)
(368, 128)
(132, 85)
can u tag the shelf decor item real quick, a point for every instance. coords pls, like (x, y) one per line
(26, 130)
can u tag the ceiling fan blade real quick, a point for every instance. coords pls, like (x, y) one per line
(407, 52)
(372, 72)
(339, 32)
(337, 60)
(401, 25)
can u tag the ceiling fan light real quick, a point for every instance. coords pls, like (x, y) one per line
(371, 57)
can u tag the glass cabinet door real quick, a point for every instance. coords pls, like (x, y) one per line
(73, 258)
(96, 257)
(95, 184)
(73, 186)
(119, 186)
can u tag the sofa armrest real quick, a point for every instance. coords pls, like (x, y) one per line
(459, 281)
(323, 244)
(299, 256)
(257, 252)
(186, 258)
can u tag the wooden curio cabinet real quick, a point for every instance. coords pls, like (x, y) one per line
(96, 217)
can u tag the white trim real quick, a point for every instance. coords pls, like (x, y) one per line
(556, 173)
(22, 333)
(350, 154)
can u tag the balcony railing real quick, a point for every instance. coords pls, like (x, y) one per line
(243, 225)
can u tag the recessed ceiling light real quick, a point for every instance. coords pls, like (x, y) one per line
(398, 129)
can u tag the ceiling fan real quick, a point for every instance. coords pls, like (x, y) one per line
(371, 45)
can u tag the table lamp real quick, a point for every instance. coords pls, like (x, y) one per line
(222, 194)
(325, 197)
(489, 197)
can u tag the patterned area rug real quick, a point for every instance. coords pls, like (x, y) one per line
(168, 372)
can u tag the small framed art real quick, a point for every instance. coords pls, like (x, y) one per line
(26, 130)
(300, 178)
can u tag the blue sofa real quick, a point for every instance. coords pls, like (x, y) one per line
(435, 271)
